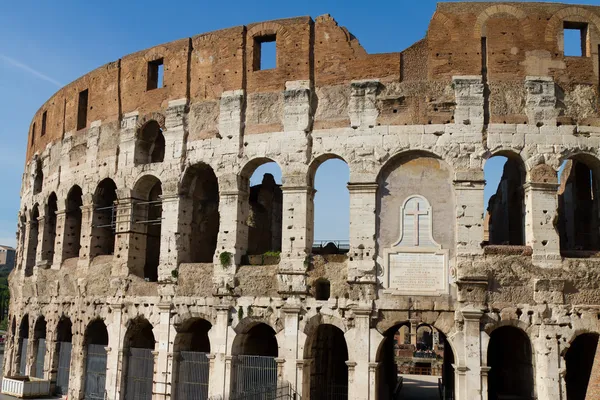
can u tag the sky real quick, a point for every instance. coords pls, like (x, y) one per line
(46, 44)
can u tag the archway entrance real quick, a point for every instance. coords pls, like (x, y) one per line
(139, 360)
(511, 368)
(95, 342)
(192, 369)
(415, 363)
(23, 344)
(580, 360)
(39, 347)
(328, 370)
(254, 367)
(62, 363)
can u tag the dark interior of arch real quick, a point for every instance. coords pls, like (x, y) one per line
(151, 144)
(329, 372)
(140, 335)
(103, 237)
(50, 227)
(72, 232)
(33, 241)
(578, 207)
(506, 224)
(24, 327)
(258, 341)
(194, 337)
(64, 331)
(153, 231)
(322, 289)
(265, 217)
(204, 192)
(511, 365)
(579, 362)
(96, 333)
(40, 328)
(38, 180)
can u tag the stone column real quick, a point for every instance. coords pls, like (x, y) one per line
(361, 263)
(546, 353)
(127, 139)
(358, 340)
(233, 231)
(302, 375)
(31, 244)
(540, 233)
(87, 215)
(44, 256)
(473, 354)
(59, 241)
(172, 245)
(78, 360)
(288, 344)
(175, 132)
(362, 105)
(219, 334)
(541, 101)
(468, 92)
(114, 353)
(296, 240)
(468, 190)
(230, 121)
(373, 367)
(128, 254)
(162, 370)
(413, 331)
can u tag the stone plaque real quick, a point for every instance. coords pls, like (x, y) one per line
(417, 273)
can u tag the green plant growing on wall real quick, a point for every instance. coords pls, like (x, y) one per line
(175, 273)
(225, 258)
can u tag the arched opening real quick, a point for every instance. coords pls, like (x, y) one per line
(201, 190)
(254, 366)
(150, 144)
(95, 343)
(138, 365)
(326, 347)
(38, 179)
(505, 218)
(192, 369)
(62, 355)
(50, 228)
(39, 347)
(23, 342)
(580, 361)
(329, 176)
(322, 289)
(72, 230)
(104, 219)
(416, 364)
(578, 209)
(33, 240)
(511, 372)
(21, 257)
(265, 210)
(148, 223)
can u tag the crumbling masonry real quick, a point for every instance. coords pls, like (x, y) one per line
(137, 218)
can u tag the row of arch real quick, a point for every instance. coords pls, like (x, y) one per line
(255, 351)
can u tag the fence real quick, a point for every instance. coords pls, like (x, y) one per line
(283, 391)
(254, 377)
(95, 372)
(64, 365)
(39, 358)
(327, 391)
(192, 379)
(23, 358)
(140, 371)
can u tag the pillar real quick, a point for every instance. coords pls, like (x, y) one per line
(128, 235)
(358, 340)
(288, 344)
(546, 353)
(413, 331)
(361, 263)
(540, 233)
(127, 139)
(468, 190)
(59, 240)
(175, 133)
(220, 367)
(173, 243)
(85, 241)
(31, 240)
(163, 361)
(44, 252)
(470, 372)
(78, 360)
(114, 353)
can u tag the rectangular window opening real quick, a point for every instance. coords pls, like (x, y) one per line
(44, 116)
(265, 52)
(82, 109)
(156, 74)
(575, 39)
(32, 134)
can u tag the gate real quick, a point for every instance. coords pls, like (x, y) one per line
(39, 358)
(23, 356)
(140, 371)
(192, 380)
(328, 391)
(95, 372)
(64, 366)
(255, 377)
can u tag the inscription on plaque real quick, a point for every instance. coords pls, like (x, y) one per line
(417, 272)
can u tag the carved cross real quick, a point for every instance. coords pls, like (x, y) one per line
(415, 213)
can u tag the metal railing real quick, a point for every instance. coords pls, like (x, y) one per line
(192, 378)
(140, 374)
(328, 391)
(64, 365)
(255, 377)
(95, 372)
(39, 358)
(342, 246)
(282, 391)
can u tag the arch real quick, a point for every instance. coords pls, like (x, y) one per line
(62, 354)
(148, 208)
(32, 243)
(315, 321)
(104, 218)
(95, 342)
(317, 162)
(39, 347)
(38, 177)
(505, 210)
(50, 229)
(578, 204)
(479, 29)
(22, 345)
(72, 228)
(191, 369)
(138, 363)
(21, 258)
(405, 155)
(553, 28)
(200, 188)
(511, 372)
(328, 350)
(150, 143)
(447, 24)
(256, 339)
(579, 360)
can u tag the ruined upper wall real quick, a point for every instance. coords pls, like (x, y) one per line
(521, 39)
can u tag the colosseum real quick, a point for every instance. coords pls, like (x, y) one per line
(149, 267)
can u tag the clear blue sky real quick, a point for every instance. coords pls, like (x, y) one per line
(47, 44)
